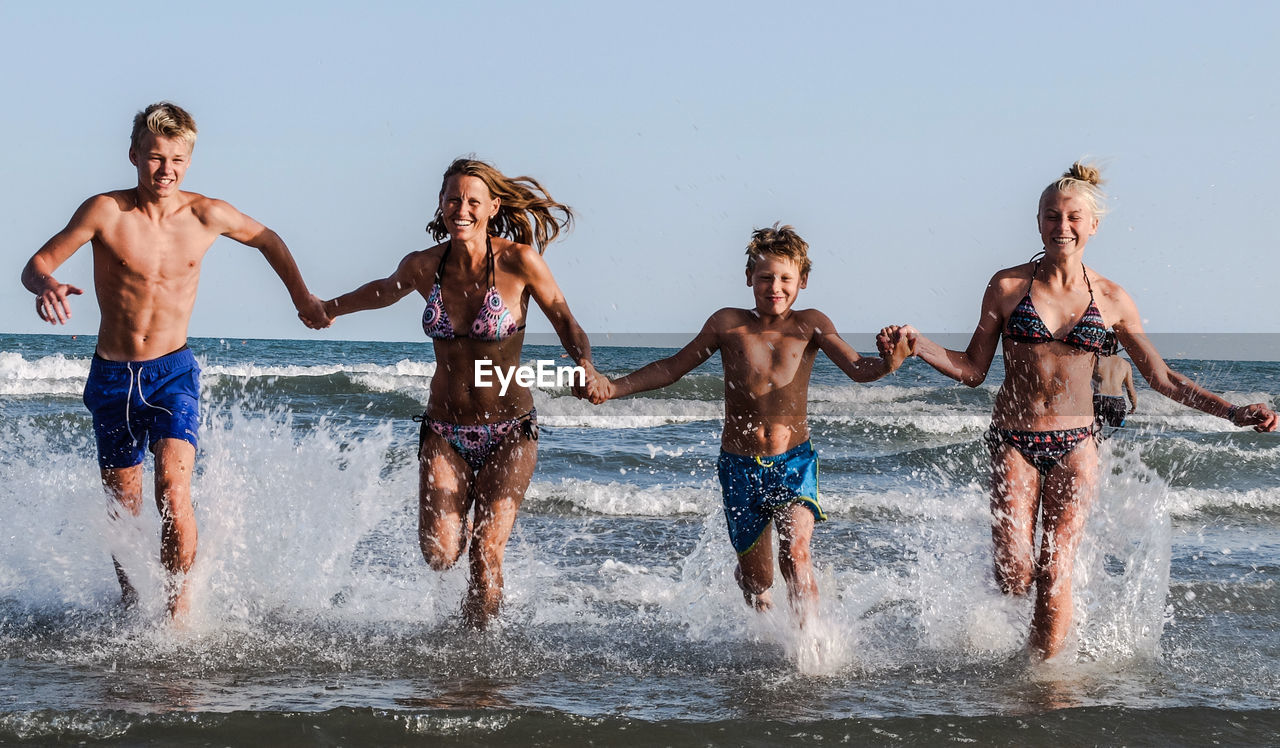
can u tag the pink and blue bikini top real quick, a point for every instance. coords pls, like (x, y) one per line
(1025, 326)
(493, 322)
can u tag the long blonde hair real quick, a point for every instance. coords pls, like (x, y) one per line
(527, 214)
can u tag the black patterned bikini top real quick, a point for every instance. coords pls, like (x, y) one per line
(1025, 325)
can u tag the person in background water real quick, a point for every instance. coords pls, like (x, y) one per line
(1112, 379)
(768, 468)
(1052, 314)
(143, 388)
(477, 444)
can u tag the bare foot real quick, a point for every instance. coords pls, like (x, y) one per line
(179, 602)
(476, 611)
(761, 601)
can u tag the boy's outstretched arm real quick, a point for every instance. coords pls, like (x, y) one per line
(235, 225)
(668, 370)
(858, 368)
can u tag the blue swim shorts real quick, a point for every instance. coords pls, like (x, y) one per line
(137, 403)
(755, 488)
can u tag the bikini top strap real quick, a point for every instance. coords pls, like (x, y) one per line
(1035, 268)
(488, 243)
(1086, 282)
(443, 258)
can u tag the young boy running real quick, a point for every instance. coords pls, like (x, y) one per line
(143, 388)
(768, 469)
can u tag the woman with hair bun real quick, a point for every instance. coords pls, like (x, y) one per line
(478, 443)
(1051, 315)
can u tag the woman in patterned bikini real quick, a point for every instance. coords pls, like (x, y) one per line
(477, 446)
(1052, 314)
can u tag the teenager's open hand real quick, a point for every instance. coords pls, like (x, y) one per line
(52, 305)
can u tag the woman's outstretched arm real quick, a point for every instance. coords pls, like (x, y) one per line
(1173, 385)
(971, 365)
(376, 294)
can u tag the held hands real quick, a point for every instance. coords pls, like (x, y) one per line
(598, 387)
(896, 343)
(52, 305)
(314, 313)
(1258, 415)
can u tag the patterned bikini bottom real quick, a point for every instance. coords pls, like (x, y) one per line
(1044, 449)
(475, 442)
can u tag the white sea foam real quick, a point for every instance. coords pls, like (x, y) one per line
(1189, 502)
(628, 499)
(629, 413)
(956, 503)
(256, 371)
(59, 374)
(857, 394)
(48, 375)
(648, 412)
(360, 372)
(926, 419)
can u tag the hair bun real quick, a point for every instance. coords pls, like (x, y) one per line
(1085, 173)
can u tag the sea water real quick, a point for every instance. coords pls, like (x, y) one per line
(315, 619)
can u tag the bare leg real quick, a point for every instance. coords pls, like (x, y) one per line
(755, 572)
(444, 483)
(124, 495)
(1068, 493)
(1015, 502)
(500, 486)
(795, 529)
(175, 459)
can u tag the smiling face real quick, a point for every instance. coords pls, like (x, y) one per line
(466, 206)
(161, 162)
(1066, 221)
(776, 282)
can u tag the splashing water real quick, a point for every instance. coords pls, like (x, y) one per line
(310, 592)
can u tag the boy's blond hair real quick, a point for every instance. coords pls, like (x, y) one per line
(164, 119)
(781, 240)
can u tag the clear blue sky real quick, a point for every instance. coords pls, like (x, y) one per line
(908, 142)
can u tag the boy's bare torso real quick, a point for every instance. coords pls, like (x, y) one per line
(146, 267)
(767, 364)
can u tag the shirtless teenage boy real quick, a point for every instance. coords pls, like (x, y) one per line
(143, 387)
(768, 469)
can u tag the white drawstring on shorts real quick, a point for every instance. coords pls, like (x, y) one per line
(136, 377)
